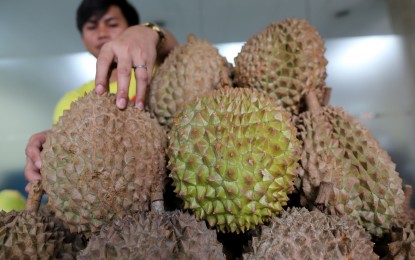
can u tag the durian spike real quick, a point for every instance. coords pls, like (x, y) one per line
(191, 38)
(35, 196)
(326, 96)
(313, 104)
(157, 202)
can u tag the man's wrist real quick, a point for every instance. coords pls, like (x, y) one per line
(160, 32)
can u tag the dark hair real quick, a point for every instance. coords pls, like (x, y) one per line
(90, 8)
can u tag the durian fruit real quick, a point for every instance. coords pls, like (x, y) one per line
(408, 213)
(46, 211)
(285, 60)
(191, 70)
(403, 243)
(345, 171)
(194, 239)
(29, 235)
(233, 156)
(301, 234)
(12, 200)
(166, 235)
(100, 163)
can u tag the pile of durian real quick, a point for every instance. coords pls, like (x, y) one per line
(244, 161)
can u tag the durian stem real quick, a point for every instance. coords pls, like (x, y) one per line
(407, 190)
(157, 202)
(312, 102)
(35, 196)
(225, 81)
(191, 38)
(326, 96)
(323, 195)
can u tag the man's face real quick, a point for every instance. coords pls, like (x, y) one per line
(96, 32)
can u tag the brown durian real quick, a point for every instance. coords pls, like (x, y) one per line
(191, 70)
(402, 245)
(28, 234)
(345, 171)
(300, 234)
(165, 235)
(100, 163)
(408, 213)
(194, 239)
(285, 60)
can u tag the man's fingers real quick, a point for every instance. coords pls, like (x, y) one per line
(104, 62)
(27, 188)
(33, 160)
(31, 171)
(34, 147)
(142, 76)
(123, 79)
(33, 154)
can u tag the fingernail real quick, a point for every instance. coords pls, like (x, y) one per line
(121, 103)
(38, 164)
(140, 106)
(99, 89)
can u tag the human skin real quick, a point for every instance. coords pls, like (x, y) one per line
(111, 41)
(137, 45)
(33, 161)
(97, 32)
(102, 38)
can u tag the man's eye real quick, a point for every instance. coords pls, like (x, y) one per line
(113, 25)
(90, 27)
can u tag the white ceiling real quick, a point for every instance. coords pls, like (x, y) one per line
(47, 27)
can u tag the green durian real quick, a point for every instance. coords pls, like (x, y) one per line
(233, 156)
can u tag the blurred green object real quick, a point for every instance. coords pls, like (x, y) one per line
(12, 200)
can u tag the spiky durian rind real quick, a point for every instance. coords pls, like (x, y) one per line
(100, 162)
(285, 60)
(301, 234)
(233, 158)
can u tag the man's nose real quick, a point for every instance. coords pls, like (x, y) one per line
(102, 31)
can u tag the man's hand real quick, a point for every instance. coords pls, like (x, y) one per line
(33, 161)
(137, 45)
